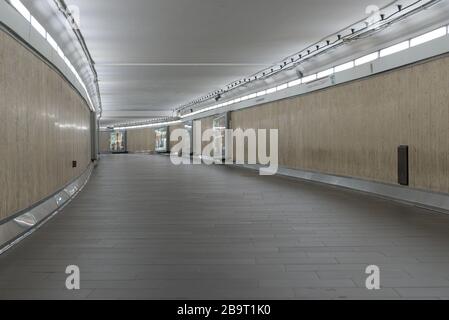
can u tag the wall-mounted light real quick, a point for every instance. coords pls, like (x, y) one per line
(39, 28)
(272, 90)
(52, 42)
(282, 87)
(367, 58)
(394, 49)
(309, 78)
(345, 66)
(295, 83)
(441, 32)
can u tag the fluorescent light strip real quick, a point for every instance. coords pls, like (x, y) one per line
(282, 87)
(61, 54)
(367, 58)
(22, 9)
(272, 90)
(206, 109)
(345, 66)
(161, 124)
(39, 28)
(294, 83)
(441, 32)
(309, 78)
(261, 93)
(325, 73)
(394, 49)
(52, 42)
(18, 5)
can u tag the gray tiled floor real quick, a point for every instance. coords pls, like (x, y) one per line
(143, 228)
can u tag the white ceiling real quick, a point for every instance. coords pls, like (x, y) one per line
(155, 55)
(158, 54)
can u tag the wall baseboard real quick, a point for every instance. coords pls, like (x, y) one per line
(420, 198)
(20, 226)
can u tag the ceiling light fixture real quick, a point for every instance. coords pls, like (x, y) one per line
(441, 32)
(358, 30)
(368, 58)
(395, 49)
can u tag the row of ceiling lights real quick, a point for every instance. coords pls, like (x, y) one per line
(419, 40)
(435, 34)
(18, 5)
(345, 35)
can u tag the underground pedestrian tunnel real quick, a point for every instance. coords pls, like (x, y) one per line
(222, 150)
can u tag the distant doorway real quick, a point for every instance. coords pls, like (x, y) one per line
(161, 140)
(118, 142)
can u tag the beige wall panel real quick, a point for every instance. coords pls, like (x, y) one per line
(141, 140)
(354, 129)
(44, 127)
